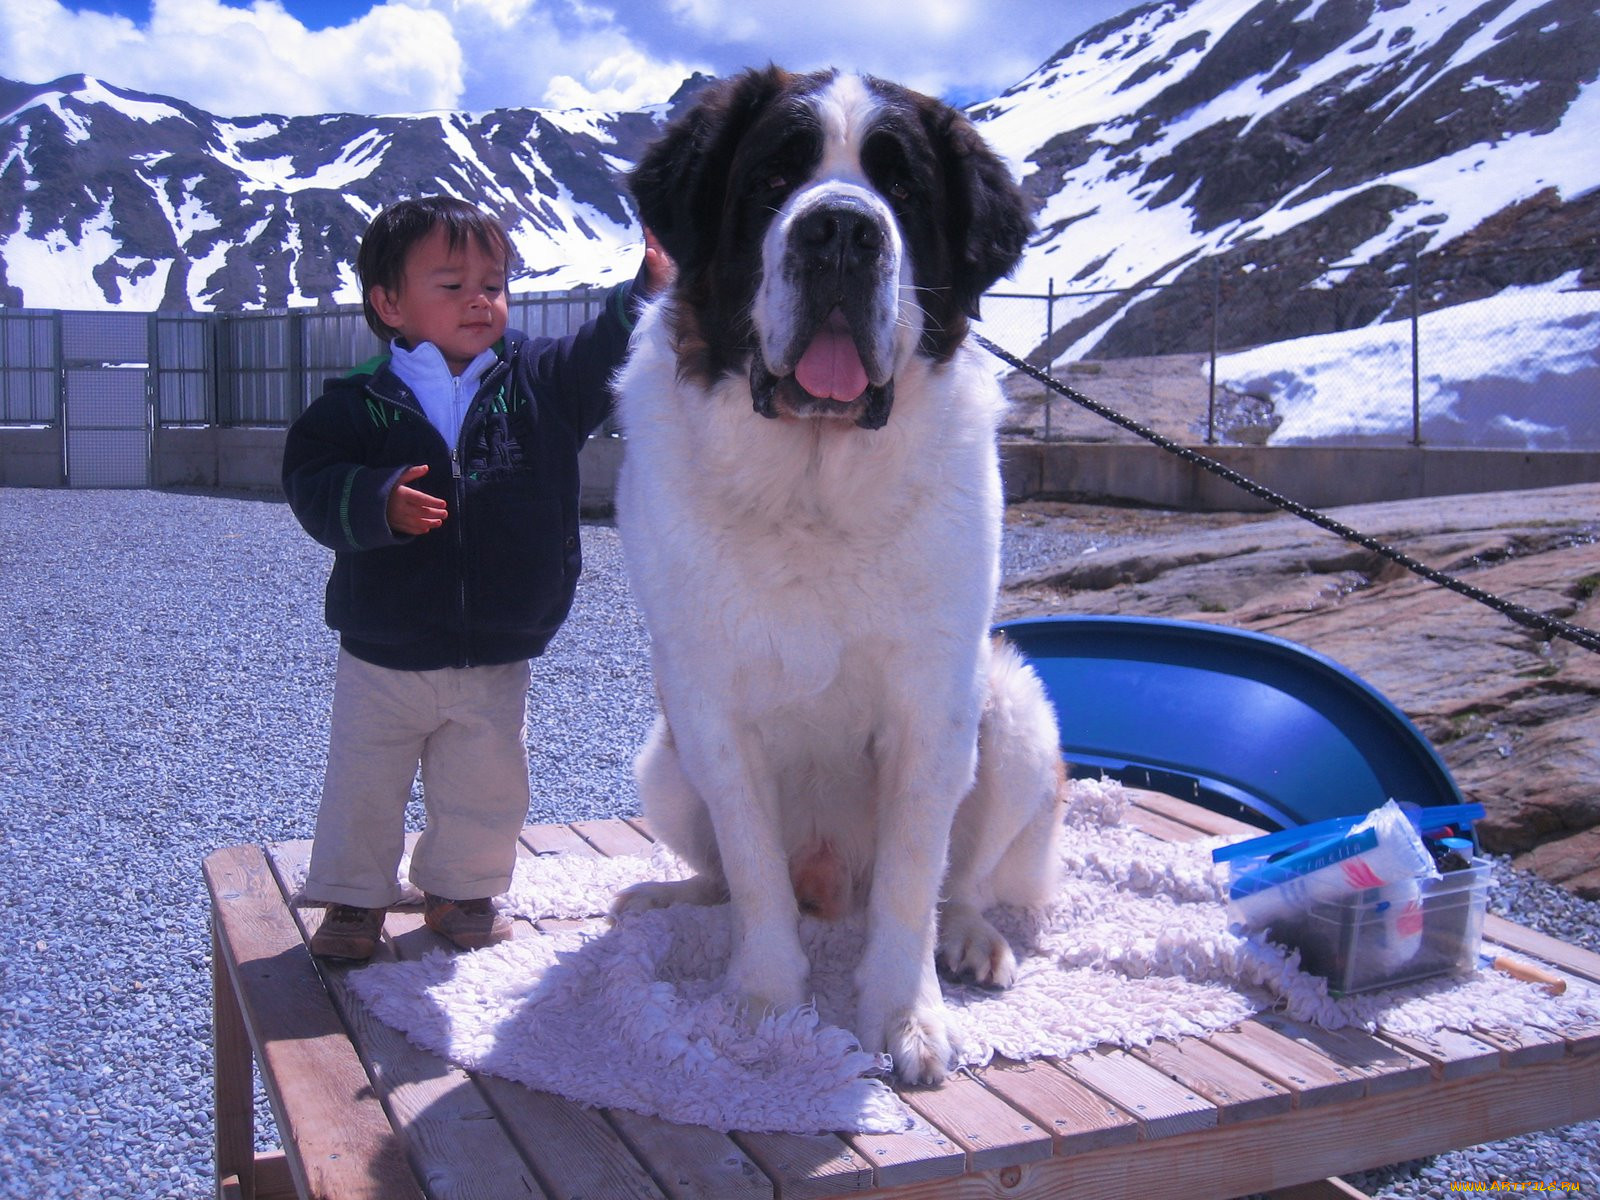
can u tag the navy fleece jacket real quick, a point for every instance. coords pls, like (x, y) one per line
(496, 580)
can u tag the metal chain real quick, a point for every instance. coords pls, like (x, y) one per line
(1552, 626)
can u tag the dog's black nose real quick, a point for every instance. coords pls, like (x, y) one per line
(840, 235)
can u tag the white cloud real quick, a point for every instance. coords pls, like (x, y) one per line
(623, 82)
(244, 61)
(416, 55)
(961, 49)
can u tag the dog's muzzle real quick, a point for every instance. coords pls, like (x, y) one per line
(837, 269)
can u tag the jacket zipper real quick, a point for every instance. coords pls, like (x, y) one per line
(458, 485)
(474, 410)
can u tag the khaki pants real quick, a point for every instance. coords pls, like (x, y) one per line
(467, 727)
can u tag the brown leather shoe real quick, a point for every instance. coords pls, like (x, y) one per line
(470, 924)
(349, 932)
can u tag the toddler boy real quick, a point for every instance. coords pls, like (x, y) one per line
(444, 476)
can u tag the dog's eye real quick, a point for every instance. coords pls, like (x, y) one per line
(900, 190)
(777, 181)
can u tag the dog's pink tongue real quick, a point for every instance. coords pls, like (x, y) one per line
(831, 368)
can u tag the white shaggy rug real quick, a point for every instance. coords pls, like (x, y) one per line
(1136, 947)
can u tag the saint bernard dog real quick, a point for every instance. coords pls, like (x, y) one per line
(810, 511)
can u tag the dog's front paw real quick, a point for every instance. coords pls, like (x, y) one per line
(918, 1043)
(914, 1036)
(973, 951)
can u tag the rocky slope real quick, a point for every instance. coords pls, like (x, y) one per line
(1515, 714)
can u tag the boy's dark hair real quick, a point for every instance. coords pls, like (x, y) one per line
(381, 260)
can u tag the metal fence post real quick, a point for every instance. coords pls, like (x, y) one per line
(152, 394)
(1416, 353)
(296, 389)
(221, 365)
(1049, 342)
(1211, 388)
(57, 350)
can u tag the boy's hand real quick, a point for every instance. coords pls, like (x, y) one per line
(413, 512)
(659, 269)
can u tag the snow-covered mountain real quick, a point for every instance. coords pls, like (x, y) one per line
(1249, 146)
(1187, 141)
(115, 199)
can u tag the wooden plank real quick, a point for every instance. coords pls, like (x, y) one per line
(273, 1180)
(1304, 1145)
(336, 1135)
(572, 1150)
(989, 1131)
(1525, 1045)
(1239, 1091)
(1164, 1107)
(1319, 1189)
(681, 1160)
(1209, 823)
(1382, 1065)
(691, 1162)
(1584, 1039)
(1310, 1076)
(920, 1156)
(1077, 1117)
(575, 1151)
(615, 838)
(556, 839)
(807, 1166)
(1452, 1055)
(232, 1078)
(1574, 960)
(1159, 826)
(443, 1119)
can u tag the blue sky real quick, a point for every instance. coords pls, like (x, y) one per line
(315, 56)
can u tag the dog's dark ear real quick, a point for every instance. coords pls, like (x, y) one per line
(678, 184)
(988, 217)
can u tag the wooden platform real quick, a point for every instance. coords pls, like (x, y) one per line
(1265, 1107)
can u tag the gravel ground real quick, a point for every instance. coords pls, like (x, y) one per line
(165, 680)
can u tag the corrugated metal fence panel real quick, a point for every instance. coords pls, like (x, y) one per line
(336, 343)
(263, 352)
(28, 367)
(108, 427)
(184, 369)
(554, 314)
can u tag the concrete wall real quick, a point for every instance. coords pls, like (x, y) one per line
(30, 456)
(250, 460)
(247, 460)
(1317, 476)
(208, 456)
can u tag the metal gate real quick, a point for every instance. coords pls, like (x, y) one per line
(106, 410)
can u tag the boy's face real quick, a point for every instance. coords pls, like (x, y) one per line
(455, 299)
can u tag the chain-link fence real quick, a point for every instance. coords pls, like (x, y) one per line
(1468, 352)
(1485, 351)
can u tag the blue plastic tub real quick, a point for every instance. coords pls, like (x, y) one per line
(1247, 724)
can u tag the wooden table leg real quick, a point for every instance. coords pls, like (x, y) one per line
(234, 1086)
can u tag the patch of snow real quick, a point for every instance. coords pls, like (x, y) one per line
(1519, 370)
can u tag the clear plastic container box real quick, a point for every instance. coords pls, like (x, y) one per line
(1387, 936)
